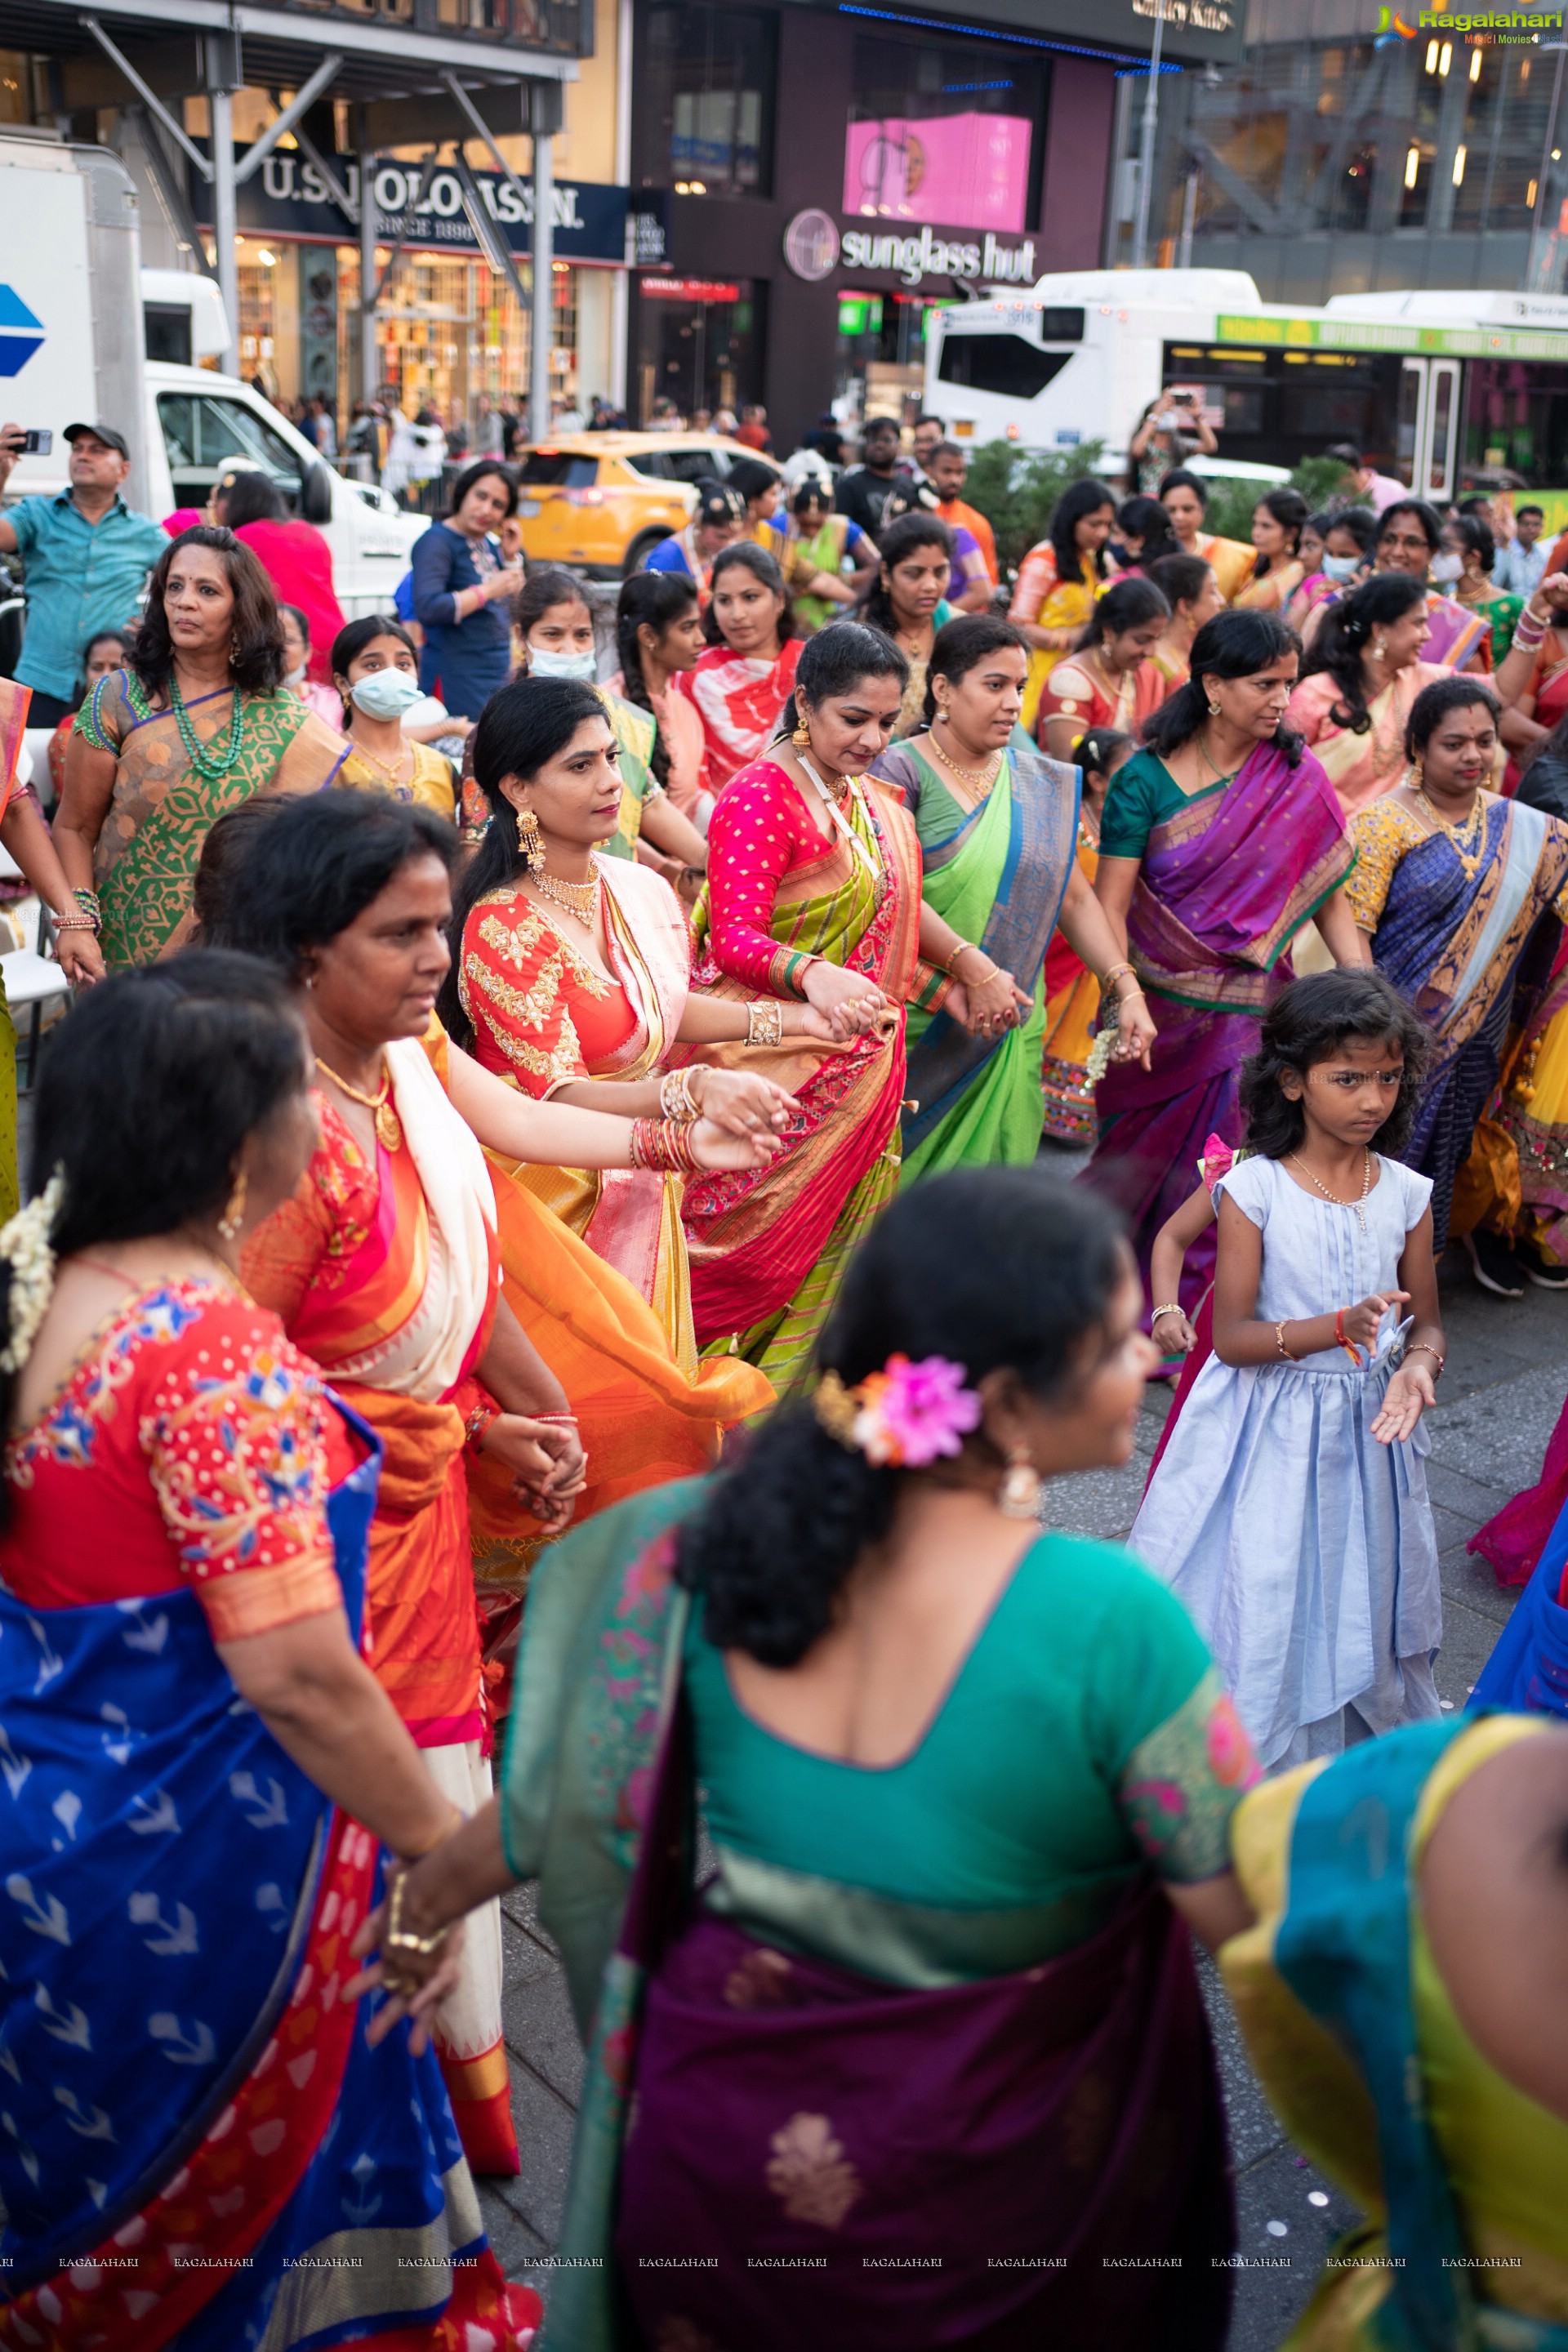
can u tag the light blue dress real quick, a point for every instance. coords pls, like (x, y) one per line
(1305, 1551)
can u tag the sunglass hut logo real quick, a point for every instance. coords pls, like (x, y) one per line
(1495, 25)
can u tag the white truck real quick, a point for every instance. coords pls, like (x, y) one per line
(78, 316)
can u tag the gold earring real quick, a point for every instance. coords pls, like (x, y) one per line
(1022, 1489)
(1213, 710)
(1418, 774)
(530, 840)
(801, 735)
(1380, 652)
(233, 1217)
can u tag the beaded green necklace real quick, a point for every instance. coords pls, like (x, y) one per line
(208, 761)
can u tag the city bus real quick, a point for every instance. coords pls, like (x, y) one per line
(1445, 390)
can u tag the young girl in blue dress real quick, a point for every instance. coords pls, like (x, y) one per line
(1289, 1509)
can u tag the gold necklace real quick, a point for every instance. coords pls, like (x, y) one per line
(981, 781)
(579, 899)
(1359, 1205)
(1465, 840)
(394, 774)
(1218, 776)
(388, 1127)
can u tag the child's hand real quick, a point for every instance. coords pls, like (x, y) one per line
(1410, 1394)
(1180, 1337)
(1362, 1320)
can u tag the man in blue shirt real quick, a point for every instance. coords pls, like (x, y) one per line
(1521, 564)
(85, 555)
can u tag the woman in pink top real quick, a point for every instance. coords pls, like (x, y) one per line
(294, 555)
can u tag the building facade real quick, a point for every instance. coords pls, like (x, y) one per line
(810, 181)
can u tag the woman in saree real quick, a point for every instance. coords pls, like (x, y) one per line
(1532, 681)
(968, 1786)
(1409, 540)
(198, 721)
(1277, 521)
(1108, 679)
(998, 830)
(1401, 1999)
(1450, 886)
(746, 675)
(828, 541)
(1360, 679)
(1191, 590)
(1184, 497)
(659, 637)
(908, 602)
(815, 898)
(375, 669)
(1072, 993)
(1220, 839)
(384, 1265)
(202, 2151)
(570, 981)
(1058, 583)
(555, 630)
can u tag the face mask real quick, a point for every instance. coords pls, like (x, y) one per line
(386, 693)
(296, 677)
(544, 663)
(1341, 567)
(1447, 569)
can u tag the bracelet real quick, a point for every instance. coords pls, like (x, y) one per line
(554, 1416)
(661, 1148)
(1115, 973)
(952, 955)
(398, 1940)
(1280, 1342)
(416, 1854)
(72, 922)
(88, 902)
(1425, 1347)
(1172, 1310)
(477, 1422)
(676, 1099)
(765, 1022)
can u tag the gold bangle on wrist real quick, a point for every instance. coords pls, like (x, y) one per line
(1172, 1310)
(765, 1022)
(677, 1097)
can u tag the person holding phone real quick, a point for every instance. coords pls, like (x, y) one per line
(1170, 429)
(86, 555)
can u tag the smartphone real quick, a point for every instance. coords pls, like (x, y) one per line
(36, 443)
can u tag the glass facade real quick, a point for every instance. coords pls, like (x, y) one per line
(944, 131)
(1333, 160)
(708, 116)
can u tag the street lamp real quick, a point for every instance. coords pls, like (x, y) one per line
(1146, 155)
(1544, 48)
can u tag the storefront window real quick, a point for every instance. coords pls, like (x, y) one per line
(941, 132)
(708, 118)
(700, 343)
(880, 367)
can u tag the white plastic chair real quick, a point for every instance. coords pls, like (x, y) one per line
(32, 980)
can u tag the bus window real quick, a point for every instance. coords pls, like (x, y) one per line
(1005, 364)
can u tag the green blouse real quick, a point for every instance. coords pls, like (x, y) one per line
(1084, 1736)
(1142, 794)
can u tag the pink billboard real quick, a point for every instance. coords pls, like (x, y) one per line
(961, 170)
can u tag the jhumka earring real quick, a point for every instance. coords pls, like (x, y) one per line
(801, 735)
(233, 1217)
(1021, 1489)
(530, 839)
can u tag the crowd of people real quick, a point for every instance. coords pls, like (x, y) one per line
(538, 1302)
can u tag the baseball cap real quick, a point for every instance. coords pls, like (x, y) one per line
(105, 433)
(716, 502)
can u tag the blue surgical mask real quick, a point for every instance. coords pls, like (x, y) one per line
(386, 693)
(1341, 567)
(543, 662)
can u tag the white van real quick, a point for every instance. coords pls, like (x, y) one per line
(78, 319)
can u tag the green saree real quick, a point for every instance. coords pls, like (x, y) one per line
(997, 874)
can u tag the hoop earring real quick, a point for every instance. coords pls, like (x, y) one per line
(1022, 1489)
(233, 1217)
(530, 841)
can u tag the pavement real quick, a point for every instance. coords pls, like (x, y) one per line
(1500, 1395)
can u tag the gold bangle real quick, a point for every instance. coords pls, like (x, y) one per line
(676, 1098)
(1163, 1310)
(1115, 971)
(1425, 1347)
(765, 1022)
(1280, 1340)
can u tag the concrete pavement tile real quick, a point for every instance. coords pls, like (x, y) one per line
(521, 1907)
(1270, 2299)
(545, 2125)
(1470, 1581)
(524, 1956)
(1498, 1435)
(514, 2245)
(1097, 1502)
(1470, 1499)
(1453, 1529)
(1468, 1640)
(538, 2022)
(1254, 2127)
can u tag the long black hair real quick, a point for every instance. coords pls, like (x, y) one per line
(1028, 1292)
(257, 664)
(762, 566)
(248, 495)
(355, 636)
(1476, 534)
(1345, 633)
(1288, 509)
(1233, 644)
(311, 870)
(520, 728)
(1127, 604)
(1080, 499)
(1307, 1024)
(1146, 519)
(1180, 578)
(833, 661)
(550, 586)
(895, 546)
(962, 645)
(147, 1094)
(650, 599)
(1434, 702)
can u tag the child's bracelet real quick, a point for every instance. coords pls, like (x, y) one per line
(1279, 1341)
(1162, 1310)
(1425, 1347)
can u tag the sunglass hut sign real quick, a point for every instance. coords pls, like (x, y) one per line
(913, 259)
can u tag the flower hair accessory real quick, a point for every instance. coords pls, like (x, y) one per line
(25, 1246)
(902, 1417)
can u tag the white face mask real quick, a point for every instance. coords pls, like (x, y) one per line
(1447, 569)
(386, 693)
(545, 662)
(1341, 567)
(296, 677)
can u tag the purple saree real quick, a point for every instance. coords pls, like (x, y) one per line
(1226, 881)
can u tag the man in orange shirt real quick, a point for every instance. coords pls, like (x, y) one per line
(948, 471)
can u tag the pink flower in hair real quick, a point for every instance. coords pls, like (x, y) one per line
(910, 1413)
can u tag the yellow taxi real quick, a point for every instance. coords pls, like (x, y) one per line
(602, 501)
